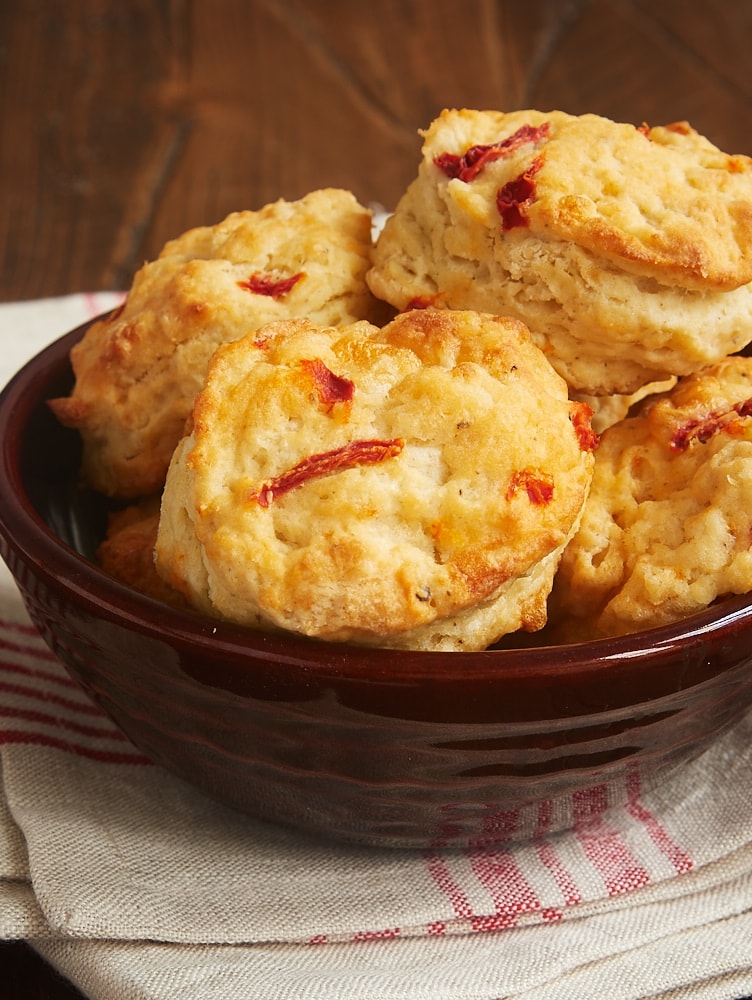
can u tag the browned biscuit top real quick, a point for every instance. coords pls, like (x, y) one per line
(663, 202)
(361, 483)
(626, 251)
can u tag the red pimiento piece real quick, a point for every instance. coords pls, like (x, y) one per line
(468, 165)
(580, 417)
(538, 485)
(422, 302)
(330, 388)
(514, 198)
(703, 428)
(364, 452)
(266, 283)
(681, 128)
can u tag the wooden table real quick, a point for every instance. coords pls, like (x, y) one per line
(123, 124)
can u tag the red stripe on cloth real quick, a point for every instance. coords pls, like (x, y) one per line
(439, 872)
(497, 827)
(96, 302)
(45, 719)
(22, 649)
(679, 858)
(82, 707)
(497, 872)
(386, 934)
(8, 736)
(603, 846)
(25, 628)
(511, 893)
(562, 877)
(48, 676)
(500, 875)
(92, 305)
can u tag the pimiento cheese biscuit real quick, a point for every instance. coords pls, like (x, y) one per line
(407, 486)
(627, 251)
(667, 526)
(137, 372)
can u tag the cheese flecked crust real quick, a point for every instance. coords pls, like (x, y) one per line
(667, 526)
(137, 372)
(411, 485)
(628, 252)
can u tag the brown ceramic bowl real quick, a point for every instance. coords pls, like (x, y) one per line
(364, 745)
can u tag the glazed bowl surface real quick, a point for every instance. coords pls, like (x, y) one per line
(399, 749)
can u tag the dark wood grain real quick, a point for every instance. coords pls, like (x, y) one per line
(123, 124)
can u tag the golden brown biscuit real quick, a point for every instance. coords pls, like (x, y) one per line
(138, 371)
(628, 252)
(608, 410)
(667, 526)
(407, 486)
(127, 551)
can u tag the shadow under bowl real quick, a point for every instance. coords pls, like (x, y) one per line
(371, 746)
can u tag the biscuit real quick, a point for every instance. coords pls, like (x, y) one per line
(666, 528)
(127, 551)
(608, 410)
(408, 486)
(627, 251)
(136, 372)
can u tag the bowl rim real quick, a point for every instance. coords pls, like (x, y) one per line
(24, 531)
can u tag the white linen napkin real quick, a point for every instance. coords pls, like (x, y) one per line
(135, 885)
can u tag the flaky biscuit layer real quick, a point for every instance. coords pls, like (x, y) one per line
(628, 252)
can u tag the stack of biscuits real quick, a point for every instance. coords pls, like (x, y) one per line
(391, 440)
